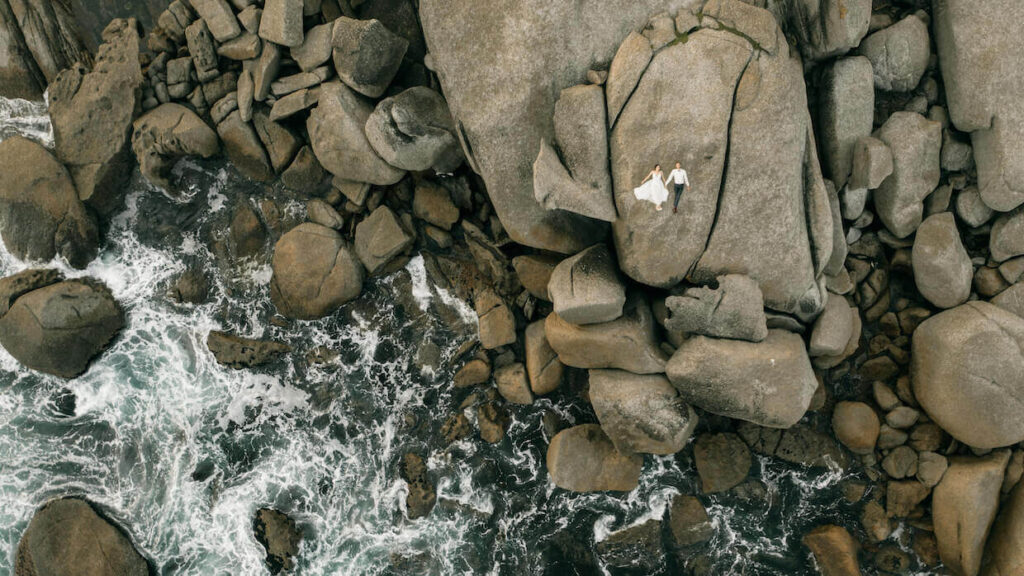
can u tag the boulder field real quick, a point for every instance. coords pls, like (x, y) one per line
(840, 286)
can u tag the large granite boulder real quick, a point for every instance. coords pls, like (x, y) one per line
(916, 143)
(626, 343)
(366, 54)
(542, 364)
(968, 373)
(586, 288)
(735, 309)
(38, 40)
(583, 459)
(942, 268)
(825, 28)
(1006, 239)
(899, 54)
(964, 505)
(770, 383)
(40, 213)
(68, 537)
(315, 272)
(337, 134)
(755, 112)
(244, 148)
(59, 327)
(980, 43)
(379, 238)
(641, 413)
(537, 54)
(92, 114)
(413, 130)
(847, 113)
(1004, 551)
(167, 133)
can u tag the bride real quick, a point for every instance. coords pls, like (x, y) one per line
(653, 188)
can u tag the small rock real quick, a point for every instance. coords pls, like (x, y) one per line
(497, 324)
(856, 425)
(900, 463)
(722, 460)
(493, 421)
(281, 22)
(324, 214)
(279, 536)
(942, 268)
(689, 521)
(899, 54)
(583, 459)
(379, 238)
(432, 203)
(513, 383)
(542, 364)
(238, 352)
(930, 468)
(834, 549)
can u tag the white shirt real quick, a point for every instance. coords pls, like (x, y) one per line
(678, 176)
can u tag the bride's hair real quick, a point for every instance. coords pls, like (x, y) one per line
(656, 166)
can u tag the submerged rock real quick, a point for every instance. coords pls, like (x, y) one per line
(770, 383)
(59, 328)
(67, 536)
(238, 352)
(41, 215)
(634, 547)
(968, 375)
(315, 272)
(641, 413)
(583, 459)
(834, 549)
(279, 536)
(689, 521)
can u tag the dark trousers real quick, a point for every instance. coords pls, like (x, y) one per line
(679, 192)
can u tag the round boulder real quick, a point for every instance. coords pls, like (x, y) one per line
(942, 269)
(583, 459)
(67, 537)
(968, 373)
(856, 425)
(315, 272)
(413, 130)
(59, 328)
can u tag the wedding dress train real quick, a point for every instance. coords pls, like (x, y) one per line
(653, 191)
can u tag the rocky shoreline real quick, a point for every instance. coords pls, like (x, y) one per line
(840, 290)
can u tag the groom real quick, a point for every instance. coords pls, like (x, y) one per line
(680, 180)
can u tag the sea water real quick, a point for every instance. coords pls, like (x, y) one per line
(181, 451)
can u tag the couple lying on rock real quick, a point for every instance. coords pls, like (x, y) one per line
(653, 188)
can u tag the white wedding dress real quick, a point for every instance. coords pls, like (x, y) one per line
(653, 191)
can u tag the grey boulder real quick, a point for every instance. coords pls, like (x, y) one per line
(968, 373)
(641, 413)
(315, 272)
(583, 459)
(832, 330)
(899, 54)
(586, 288)
(735, 309)
(826, 28)
(380, 237)
(769, 383)
(847, 110)
(366, 54)
(281, 22)
(942, 268)
(915, 143)
(413, 130)
(165, 134)
(40, 213)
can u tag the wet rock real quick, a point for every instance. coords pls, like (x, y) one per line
(798, 445)
(246, 233)
(872, 164)
(641, 413)
(915, 143)
(846, 113)
(964, 505)
(722, 460)
(336, 132)
(856, 425)
(583, 459)
(54, 543)
(41, 215)
(167, 133)
(826, 28)
(965, 367)
(60, 327)
(192, 287)
(513, 384)
(244, 148)
(367, 55)
(899, 54)
(277, 533)
(902, 497)
(634, 547)
(586, 288)
(626, 343)
(281, 22)
(422, 496)
(92, 115)
(493, 421)
(542, 364)
(942, 268)
(476, 371)
(497, 324)
(413, 130)
(834, 549)
(305, 172)
(379, 238)
(977, 46)
(1004, 551)
(315, 272)
(770, 383)
(876, 524)
(689, 522)
(456, 428)
(833, 329)
(892, 560)
(432, 203)
(735, 309)
(278, 140)
(238, 352)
